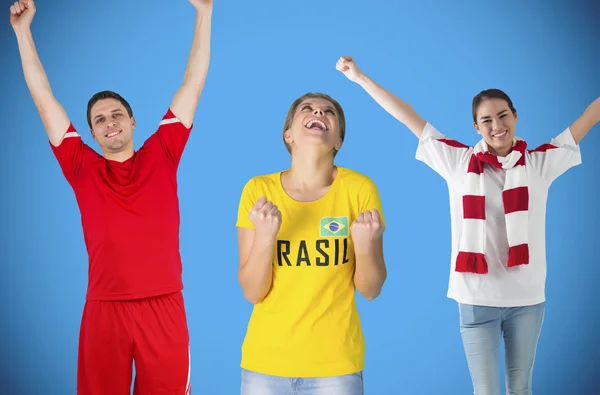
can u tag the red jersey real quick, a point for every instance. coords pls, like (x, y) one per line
(129, 213)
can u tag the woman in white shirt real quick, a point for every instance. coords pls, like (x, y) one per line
(498, 191)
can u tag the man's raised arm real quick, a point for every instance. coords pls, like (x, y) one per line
(187, 96)
(54, 117)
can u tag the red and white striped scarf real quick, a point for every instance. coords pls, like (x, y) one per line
(515, 195)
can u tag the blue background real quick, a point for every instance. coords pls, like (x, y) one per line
(435, 54)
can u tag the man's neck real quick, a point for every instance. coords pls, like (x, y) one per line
(120, 156)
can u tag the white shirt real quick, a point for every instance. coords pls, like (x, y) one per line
(502, 286)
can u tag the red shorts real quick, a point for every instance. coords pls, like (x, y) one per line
(152, 332)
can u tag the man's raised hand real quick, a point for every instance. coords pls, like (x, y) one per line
(21, 14)
(202, 6)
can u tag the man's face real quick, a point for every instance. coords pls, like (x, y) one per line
(112, 127)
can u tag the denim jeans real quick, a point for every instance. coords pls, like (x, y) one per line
(482, 329)
(260, 384)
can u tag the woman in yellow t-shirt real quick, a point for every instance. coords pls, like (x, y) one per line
(308, 237)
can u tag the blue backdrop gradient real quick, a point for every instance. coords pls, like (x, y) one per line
(435, 54)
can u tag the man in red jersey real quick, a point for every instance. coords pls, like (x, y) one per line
(129, 207)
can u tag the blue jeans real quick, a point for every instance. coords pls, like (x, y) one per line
(260, 384)
(482, 329)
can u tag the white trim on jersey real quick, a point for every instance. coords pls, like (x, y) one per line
(71, 134)
(169, 121)
(188, 387)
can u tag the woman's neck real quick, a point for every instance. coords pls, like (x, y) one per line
(309, 177)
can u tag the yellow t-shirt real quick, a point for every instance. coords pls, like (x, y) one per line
(308, 324)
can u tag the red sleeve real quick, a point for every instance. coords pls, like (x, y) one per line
(173, 136)
(70, 154)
